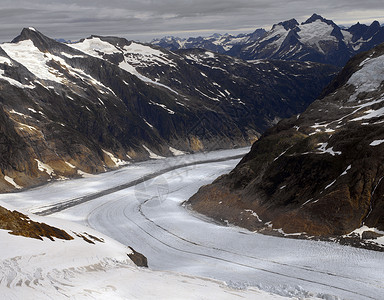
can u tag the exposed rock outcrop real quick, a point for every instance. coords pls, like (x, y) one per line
(20, 224)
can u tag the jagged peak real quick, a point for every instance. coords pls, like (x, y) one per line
(28, 33)
(39, 40)
(316, 17)
(289, 24)
(218, 35)
(375, 24)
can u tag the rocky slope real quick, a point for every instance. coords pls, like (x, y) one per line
(103, 102)
(320, 173)
(317, 39)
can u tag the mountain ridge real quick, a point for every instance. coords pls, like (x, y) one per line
(317, 39)
(104, 102)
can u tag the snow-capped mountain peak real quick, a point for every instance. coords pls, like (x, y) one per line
(317, 39)
(315, 17)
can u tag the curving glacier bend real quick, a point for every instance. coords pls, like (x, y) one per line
(149, 217)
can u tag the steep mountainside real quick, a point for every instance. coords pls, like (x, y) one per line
(317, 39)
(320, 173)
(102, 102)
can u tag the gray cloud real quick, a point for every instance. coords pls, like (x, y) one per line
(146, 19)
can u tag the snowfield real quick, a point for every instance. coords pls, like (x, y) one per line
(146, 212)
(34, 269)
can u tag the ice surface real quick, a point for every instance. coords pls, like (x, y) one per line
(27, 54)
(312, 33)
(150, 218)
(369, 77)
(76, 269)
(95, 47)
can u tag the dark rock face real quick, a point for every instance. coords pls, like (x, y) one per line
(105, 101)
(139, 259)
(320, 173)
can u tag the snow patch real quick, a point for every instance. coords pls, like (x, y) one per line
(70, 165)
(323, 149)
(376, 143)
(151, 154)
(15, 82)
(84, 174)
(362, 229)
(95, 47)
(253, 214)
(329, 185)
(171, 112)
(370, 114)
(117, 161)
(146, 122)
(72, 56)
(17, 113)
(281, 231)
(44, 168)
(12, 181)
(346, 170)
(130, 69)
(176, 152)
(5, 60)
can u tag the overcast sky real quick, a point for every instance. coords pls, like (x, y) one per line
(145, 19)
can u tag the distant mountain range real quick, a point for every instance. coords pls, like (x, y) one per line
(103, 102)
(318, 174)
(317, 40)
(218, 43)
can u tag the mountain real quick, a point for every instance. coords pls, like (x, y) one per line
(317, 40)
(318, 174)
(217, 42)
(104, 101)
